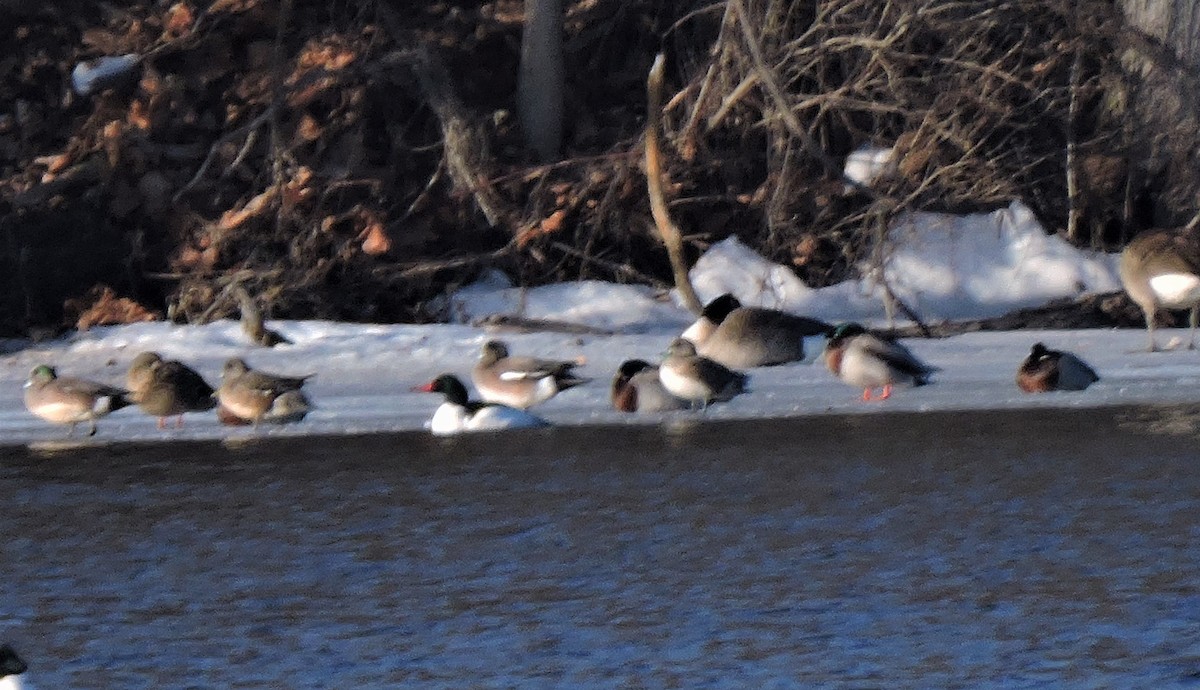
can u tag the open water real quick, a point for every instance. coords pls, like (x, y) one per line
(1015, 549)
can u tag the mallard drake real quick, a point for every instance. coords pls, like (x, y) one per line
(741, 337)
(252, 395)
(167, 388)
(869, 361)
(1160, 269)
(696, 379)
(636, 387)
(1053, 370)
(521, 381)
(458, 414)
(69, 400)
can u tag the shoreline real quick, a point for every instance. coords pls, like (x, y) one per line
(902, 425)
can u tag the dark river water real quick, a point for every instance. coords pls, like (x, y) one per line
(1041, 548)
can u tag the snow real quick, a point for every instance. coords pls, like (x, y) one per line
(945, 267)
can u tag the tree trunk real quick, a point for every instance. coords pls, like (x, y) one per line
(540, 83)
(1174, 22)
(1162, 63)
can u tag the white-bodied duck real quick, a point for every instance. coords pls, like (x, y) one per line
(458, 414)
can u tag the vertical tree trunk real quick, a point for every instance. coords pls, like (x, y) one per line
(1174, 22)
(540, 83)
(1164, 103)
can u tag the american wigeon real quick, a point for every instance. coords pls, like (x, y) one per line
(70, 400)
(1160, 269)
(167, 388)
(521, 381)
(698, 380)
(1053, 370)
(741, 337)
(458, 414)
(636, 387)
(869, 361)
(11, 666)
(252, 395)
(289, 407)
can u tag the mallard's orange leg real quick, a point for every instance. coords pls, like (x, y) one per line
(887, 392)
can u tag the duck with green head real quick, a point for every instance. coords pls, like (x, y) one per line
(870, 361)
(69, 400)
(1053, 370)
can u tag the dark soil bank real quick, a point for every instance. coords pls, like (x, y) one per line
(350, 160)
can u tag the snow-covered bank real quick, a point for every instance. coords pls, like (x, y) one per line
(945, 267)
(364, 375)
(969, 266)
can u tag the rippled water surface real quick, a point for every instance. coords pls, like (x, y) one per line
(1017, 549)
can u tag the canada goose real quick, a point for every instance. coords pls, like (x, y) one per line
(742, 337)
(1160, 269)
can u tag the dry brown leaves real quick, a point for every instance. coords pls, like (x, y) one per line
(102, 307)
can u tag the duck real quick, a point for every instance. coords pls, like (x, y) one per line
(1053, 370)
(458, 414)
(167, 388)
(741, 337)
(870, 361)
(1160, 269)
(11, 666)
(253, 395)
(68, 400)
(521, 382)
(636, 387)
(696, 379)
(288, 408)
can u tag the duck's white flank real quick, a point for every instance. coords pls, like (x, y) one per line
(682, 387)
(450, 418)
